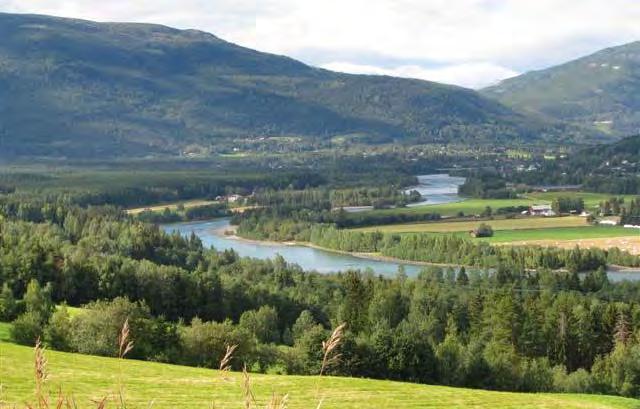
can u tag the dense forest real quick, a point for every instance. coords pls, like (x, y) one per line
(510, 329)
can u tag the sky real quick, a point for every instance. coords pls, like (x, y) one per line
(472, 43)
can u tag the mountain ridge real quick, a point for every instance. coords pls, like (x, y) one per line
(597, 91)
(77, 88)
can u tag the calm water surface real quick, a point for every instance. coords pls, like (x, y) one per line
(435, 189)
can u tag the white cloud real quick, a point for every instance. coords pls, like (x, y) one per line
(471, 75)
(487, 37)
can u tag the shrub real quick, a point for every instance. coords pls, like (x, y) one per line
(57, 333)
(579, 381)
(27, 328)
(204, 343)
(484, 230)
(94, 331)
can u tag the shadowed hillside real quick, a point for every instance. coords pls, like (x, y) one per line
(73, 88)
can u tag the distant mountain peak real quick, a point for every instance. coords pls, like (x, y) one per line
(600, 91)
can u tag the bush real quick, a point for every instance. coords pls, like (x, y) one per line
(27, 328)
(95, 331)
(536, 375)
(205, 343)
(484, 230)
(57, 333)
(579, 381)
(619, 372)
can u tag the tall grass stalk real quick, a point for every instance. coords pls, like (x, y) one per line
(125, 345)
(40, 375)
(330, 356)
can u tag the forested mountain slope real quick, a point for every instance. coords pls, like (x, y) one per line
(74, 88)
(600, 91)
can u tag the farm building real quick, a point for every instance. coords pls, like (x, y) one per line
(541, 210)
(611, 221)
(231, 198)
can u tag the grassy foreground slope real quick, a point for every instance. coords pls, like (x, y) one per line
(168, 386)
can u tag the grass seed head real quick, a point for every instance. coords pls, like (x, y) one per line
(124, 344)
(330, 346)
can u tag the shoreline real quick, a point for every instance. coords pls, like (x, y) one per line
(612, 268)
(364, 256)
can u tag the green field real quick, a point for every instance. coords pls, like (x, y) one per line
(468, 207)
(561, 233)
(167, 386)
(467, 225)
(476, 206)
(591, 200)
(513, 230)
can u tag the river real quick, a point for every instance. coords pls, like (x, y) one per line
(212, 234)
(435, 188)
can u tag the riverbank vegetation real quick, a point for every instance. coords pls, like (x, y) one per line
(326, 199)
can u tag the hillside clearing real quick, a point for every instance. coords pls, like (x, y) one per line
(169, 386)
